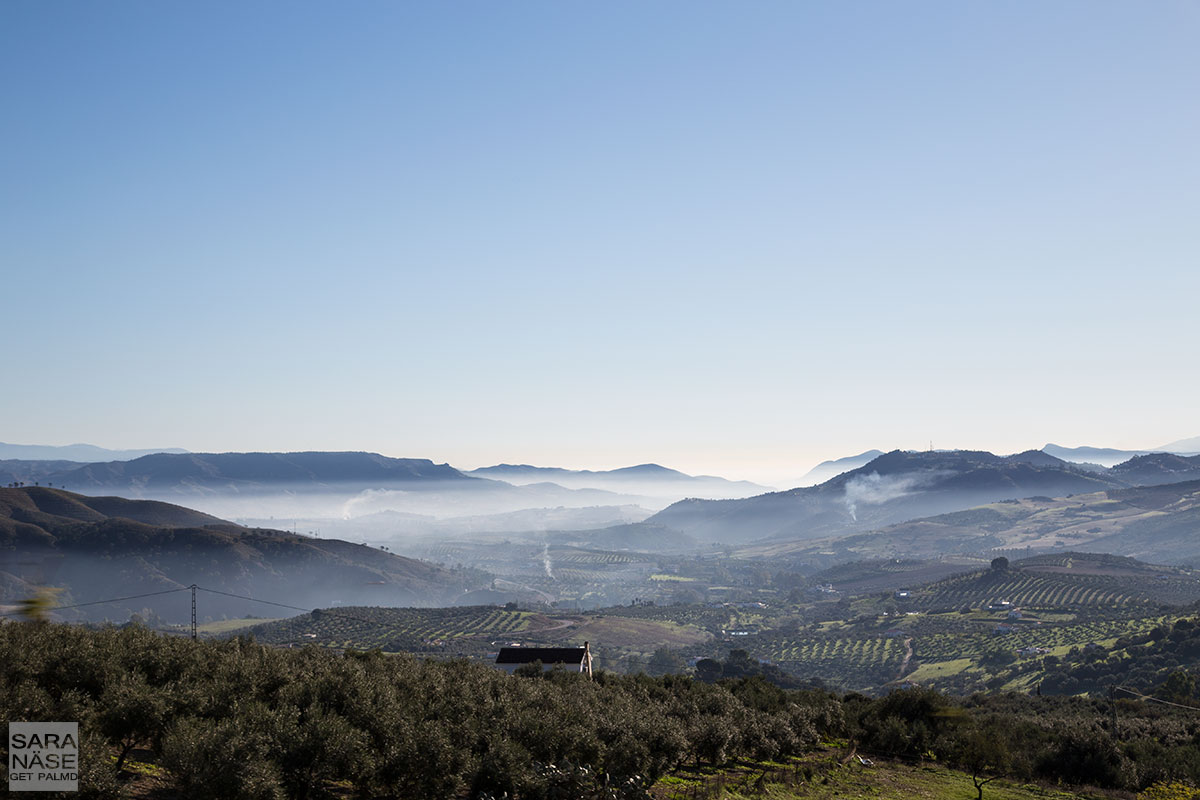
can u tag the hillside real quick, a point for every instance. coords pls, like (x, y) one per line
(966, 626)
(103, 547)
(1158, 468)
(1063, 581)
(1155, 523)
(18, 471)
(1144, 662)
(894, 487)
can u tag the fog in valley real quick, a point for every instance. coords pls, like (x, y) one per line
(362, 529)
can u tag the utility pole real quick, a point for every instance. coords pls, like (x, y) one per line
(193, 588)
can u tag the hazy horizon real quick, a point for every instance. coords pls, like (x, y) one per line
(780, 477)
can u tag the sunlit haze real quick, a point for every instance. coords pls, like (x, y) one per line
(734, 239)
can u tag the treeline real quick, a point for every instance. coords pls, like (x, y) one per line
(238, 719)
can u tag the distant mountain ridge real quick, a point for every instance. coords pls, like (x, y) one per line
(1110, 457)
(85, 453)
(526, 470)
(1183, 446)
(1104, 456)
(831, 469)
(236, 470)
(350, 484)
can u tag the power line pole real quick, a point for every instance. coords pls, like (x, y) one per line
(193, 588)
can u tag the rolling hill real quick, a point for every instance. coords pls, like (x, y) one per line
(1158, 468)
(894, 487)
(104, 547)
(1158, 524)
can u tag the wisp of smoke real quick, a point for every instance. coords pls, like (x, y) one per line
(874, 489)
(370, 501)
(546, 561)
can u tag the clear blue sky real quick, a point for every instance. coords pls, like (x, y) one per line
(728, 237)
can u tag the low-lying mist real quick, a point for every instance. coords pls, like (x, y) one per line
(348, 501)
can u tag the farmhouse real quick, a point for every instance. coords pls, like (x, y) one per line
(569, 658)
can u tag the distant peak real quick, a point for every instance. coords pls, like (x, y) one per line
(656, 470)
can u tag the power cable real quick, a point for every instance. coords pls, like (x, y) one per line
(254, 599)
(1155, 699)
(98, 602)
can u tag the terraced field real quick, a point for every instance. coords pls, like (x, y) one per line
(1064, 586)
(1055, 638)
(404, 629)
(473, 631)
(851, 663)
(573, 555)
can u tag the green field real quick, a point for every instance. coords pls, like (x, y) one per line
(858, 663)
(229, 625)
(836, 774)
(401, 629)
(636, 635)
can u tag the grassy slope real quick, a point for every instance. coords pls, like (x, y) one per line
(103, 547)
(230, 625)
(822, 776)
(1152, 523)
(637, 635)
